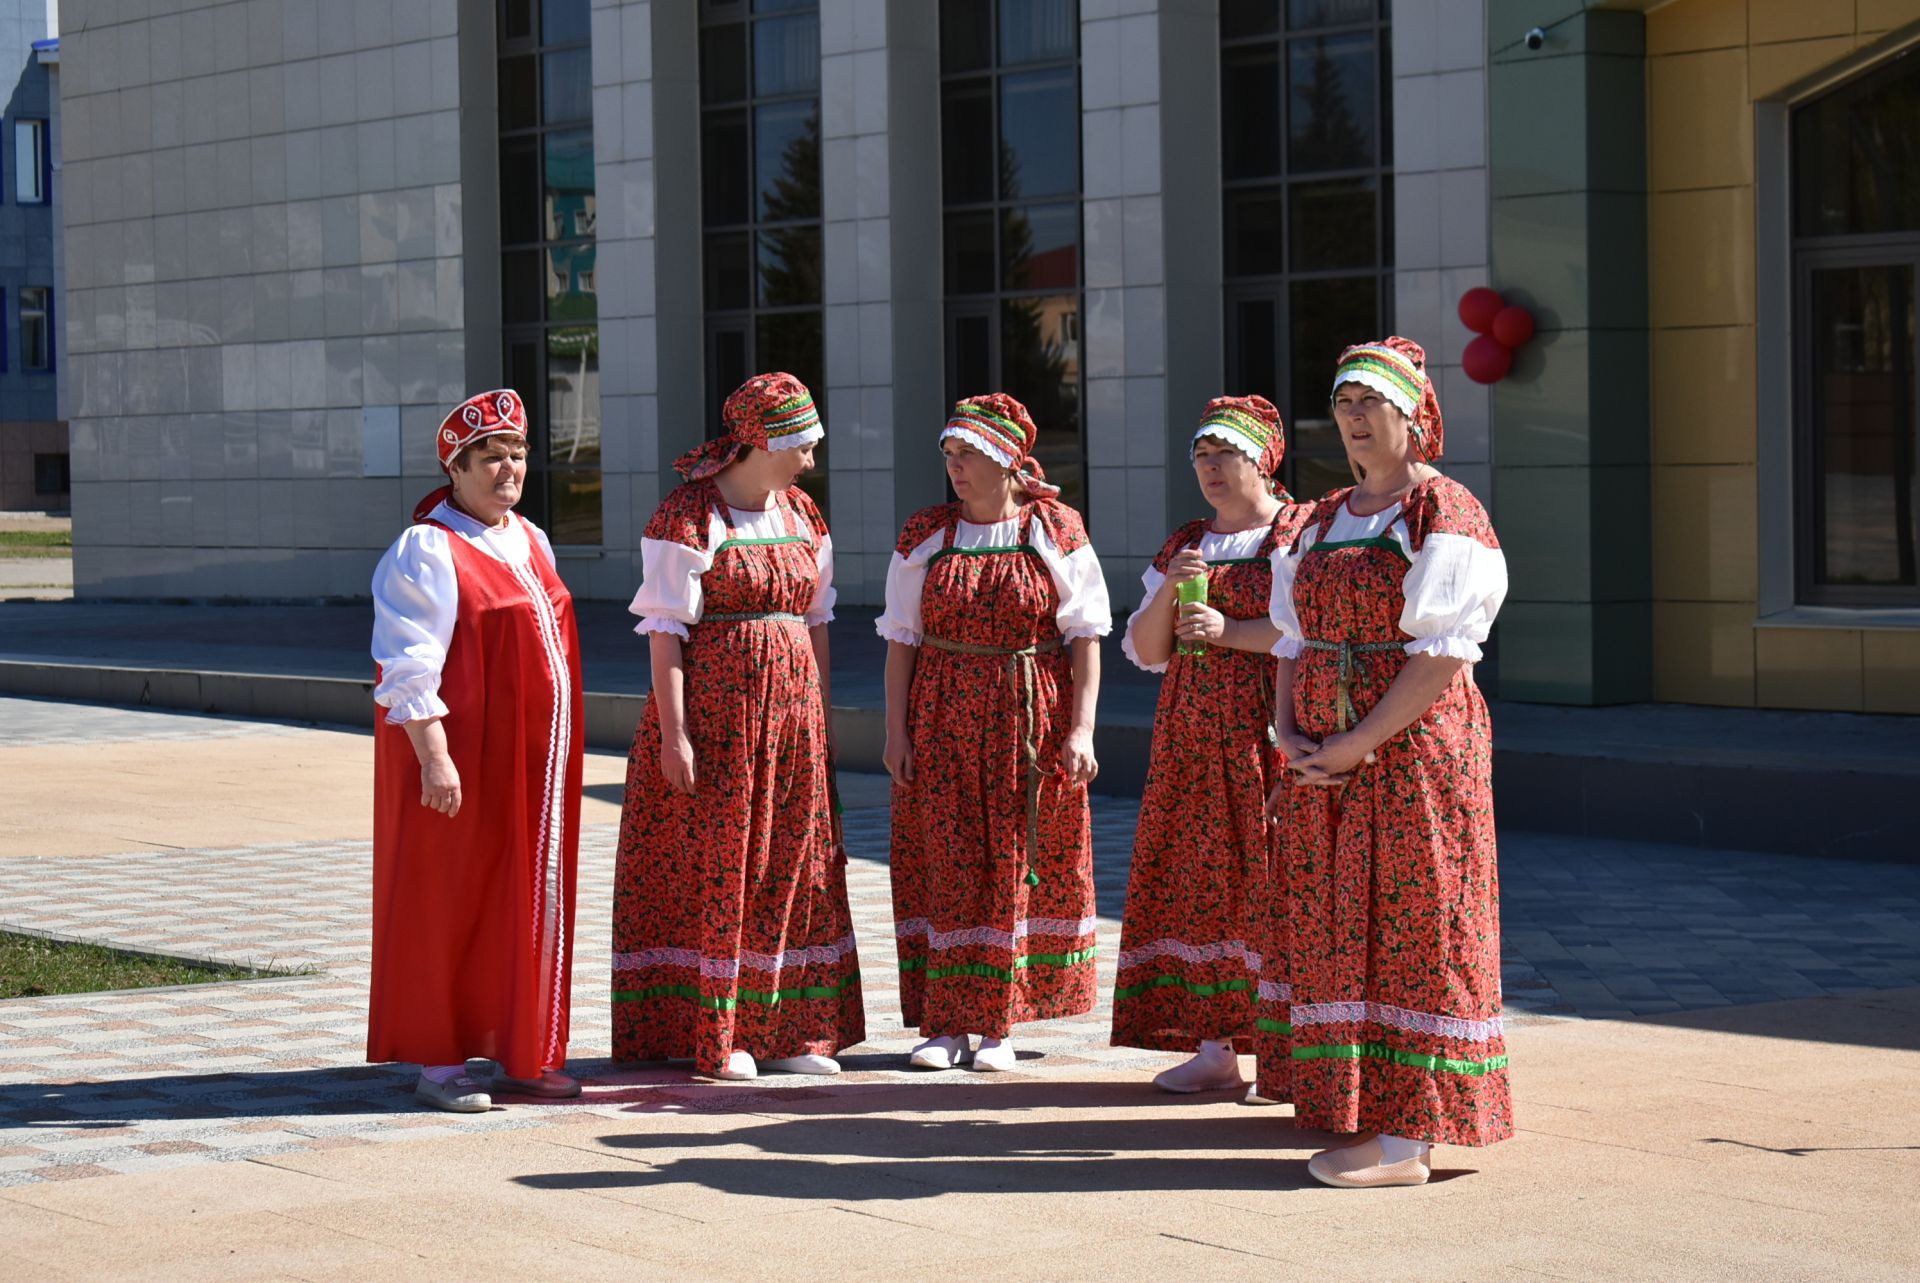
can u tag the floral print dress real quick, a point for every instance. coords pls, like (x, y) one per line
(730, 918)
(1199, 875)
(992, 854)
(1380, 1006)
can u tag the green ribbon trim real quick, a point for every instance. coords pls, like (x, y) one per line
(986, 551)
(1393, 1055)
(1267, 1025)
(989, 972)
(757, 543)
(1388, 542)
(1169, 982)
(768, 999)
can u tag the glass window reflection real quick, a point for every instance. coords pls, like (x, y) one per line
(1331, 102)
(1041, 247)
(566, 83)
(1040, 133)
(786, 55)
(1038, 31)
(569, 184)
(563, 22)
(787, 159)
(1331, 224)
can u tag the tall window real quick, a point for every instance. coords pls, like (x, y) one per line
(760, 198)
(1856, 250)
(1010, 166)
(1306, 147)
(549, 308)
(36, 328)
(30, 162)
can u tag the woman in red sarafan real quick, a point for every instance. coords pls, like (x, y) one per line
(733, 942)
(995, 607)
(1383, 1019)
(1189, 949)
(476, 796)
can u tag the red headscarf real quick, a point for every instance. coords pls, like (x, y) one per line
(1000, 428)
(771, 411)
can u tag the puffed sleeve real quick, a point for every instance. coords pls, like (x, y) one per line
(1280, 611)
(1085, 609)
(1454, 589)
(669, 599)
(820, 609)
(906, 576)
(416, 596)
(1151, 580)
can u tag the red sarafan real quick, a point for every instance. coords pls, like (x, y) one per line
(1189, 951)
(730, 921)
(473, 913)
(994, 926)
(1381, 1010)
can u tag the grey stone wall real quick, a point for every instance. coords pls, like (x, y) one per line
(266, 305)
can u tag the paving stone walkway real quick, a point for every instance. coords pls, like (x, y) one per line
(92, 1085)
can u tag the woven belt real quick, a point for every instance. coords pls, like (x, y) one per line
(1022, 675)
(744, 617)
(1348, 651)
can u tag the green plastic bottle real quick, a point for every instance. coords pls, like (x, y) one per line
(1184, 592)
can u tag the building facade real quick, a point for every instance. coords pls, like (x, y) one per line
(33, 436)
(298, 231)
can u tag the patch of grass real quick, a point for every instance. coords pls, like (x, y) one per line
(36, 967)
(36, 543)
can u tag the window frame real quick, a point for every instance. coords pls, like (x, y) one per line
(990, 305)
(1277, 286)
(1810, 255)
(42, 170)
(46, 325)
(542, 471)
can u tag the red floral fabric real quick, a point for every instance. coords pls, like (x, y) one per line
(1189, 955)
(730, 918)
(982, 945)
(1380, 1006)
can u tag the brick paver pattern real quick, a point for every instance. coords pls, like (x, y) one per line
(92, 1085)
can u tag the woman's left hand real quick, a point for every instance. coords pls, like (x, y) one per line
(1333, 763)
(1200, 623)
(1076, 757)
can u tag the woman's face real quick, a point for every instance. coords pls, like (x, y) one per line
(974, 476)
(1225, 473)
(787, 465)
(1372, 428)
(487, 478)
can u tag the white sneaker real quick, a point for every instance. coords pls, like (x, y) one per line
(944, 1052)
(995, 1055)
(458, 1094)
(739, 1068)
(1210, 1070)
(1253, 1096)
(803, 1065)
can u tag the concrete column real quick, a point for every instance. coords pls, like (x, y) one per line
(1569, 176)
(880, 179)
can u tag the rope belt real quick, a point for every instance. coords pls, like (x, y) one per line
(1349, 666)
(1022, 676)
(778, 616)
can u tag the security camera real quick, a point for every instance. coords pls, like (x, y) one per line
(1536, 38)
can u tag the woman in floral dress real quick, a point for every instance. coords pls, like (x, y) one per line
(1383, 1020)
(1189, 953)
(732, 936)
(995, 604)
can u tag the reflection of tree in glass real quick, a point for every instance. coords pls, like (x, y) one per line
(1038, 340)
(1326, 134)
(790, 271)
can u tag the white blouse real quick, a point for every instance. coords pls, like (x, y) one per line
(669, 599)
(1238, 546)
(416, 598)
(1454, 586)
(1085, 609)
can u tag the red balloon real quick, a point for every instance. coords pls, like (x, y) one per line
(1478, 307)
(1513, 326)
(1487, 360)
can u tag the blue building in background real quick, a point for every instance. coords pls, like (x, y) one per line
(34, 469)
